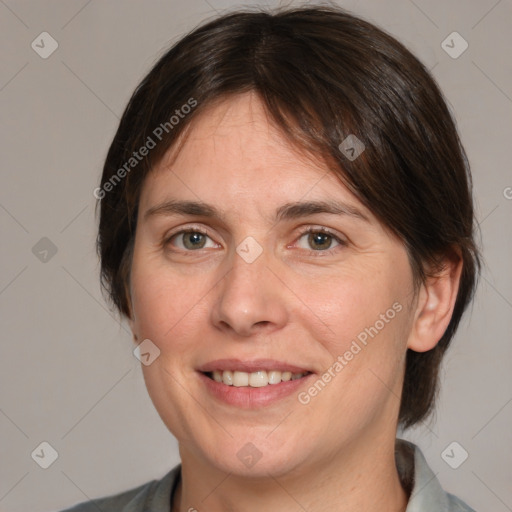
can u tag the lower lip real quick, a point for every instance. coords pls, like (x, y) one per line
(247, 397)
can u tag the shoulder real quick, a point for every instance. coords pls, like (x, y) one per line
(154, 495)
(426, 492)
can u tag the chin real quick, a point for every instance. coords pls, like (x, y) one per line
(258, 457)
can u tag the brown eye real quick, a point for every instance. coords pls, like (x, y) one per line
(320, 240)
(193, 240)
(189, 240)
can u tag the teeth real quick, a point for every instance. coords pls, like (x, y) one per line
(286, 376)
(258, 379)
(254, 379)
(274, 377)
(240, 379)
(227, 378)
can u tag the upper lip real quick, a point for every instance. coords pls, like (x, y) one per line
(251, 366)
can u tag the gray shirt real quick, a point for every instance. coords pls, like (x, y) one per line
(426, 493)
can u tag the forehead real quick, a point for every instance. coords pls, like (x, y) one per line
(234, 153)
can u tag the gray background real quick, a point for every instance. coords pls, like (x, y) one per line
(68, 375)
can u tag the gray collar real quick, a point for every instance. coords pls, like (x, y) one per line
(426, 493)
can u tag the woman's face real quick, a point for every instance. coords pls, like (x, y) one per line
(247, 291)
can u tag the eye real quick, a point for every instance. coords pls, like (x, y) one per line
(190, 240)
(320, 239)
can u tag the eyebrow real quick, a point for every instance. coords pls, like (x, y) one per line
(288, 211)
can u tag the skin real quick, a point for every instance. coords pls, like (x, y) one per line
(302, 301)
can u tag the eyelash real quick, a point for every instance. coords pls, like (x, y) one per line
(310, 229)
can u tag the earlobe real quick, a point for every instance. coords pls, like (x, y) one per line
(131, 317)
(435, 305)
(131, 324)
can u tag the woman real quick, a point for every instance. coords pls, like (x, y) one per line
(287, 225)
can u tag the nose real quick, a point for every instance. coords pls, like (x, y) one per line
(250, 299)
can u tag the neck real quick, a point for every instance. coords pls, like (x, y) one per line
(352, 480)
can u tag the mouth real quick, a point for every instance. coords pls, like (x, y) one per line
(258, 379)
(252, 384)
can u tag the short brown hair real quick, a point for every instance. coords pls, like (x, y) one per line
(322, 75)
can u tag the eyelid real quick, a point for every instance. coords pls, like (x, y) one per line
(308, 229)
(185, 229)
(342, 242)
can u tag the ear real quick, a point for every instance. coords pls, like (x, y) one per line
(436, 300)
(131, 317)
(131, 323)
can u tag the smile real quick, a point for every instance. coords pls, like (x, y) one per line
(256, 379)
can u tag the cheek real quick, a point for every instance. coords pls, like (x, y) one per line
(163, 302)
(368, 318)
(166, 310)
(358, 304)
(363, 361)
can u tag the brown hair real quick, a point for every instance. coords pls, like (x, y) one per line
(322, 74)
